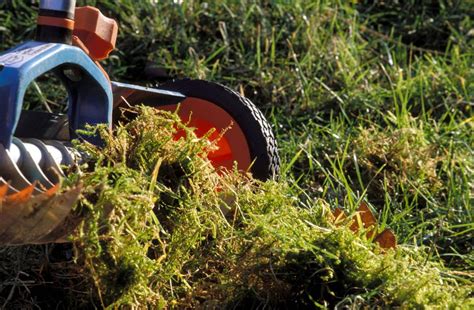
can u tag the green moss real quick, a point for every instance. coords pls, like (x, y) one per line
(171, 238)
(163, 229)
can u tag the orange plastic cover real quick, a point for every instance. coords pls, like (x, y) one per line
(97, 32)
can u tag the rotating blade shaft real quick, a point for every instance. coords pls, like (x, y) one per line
(33, 209)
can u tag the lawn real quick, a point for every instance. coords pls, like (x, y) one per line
(370, 102)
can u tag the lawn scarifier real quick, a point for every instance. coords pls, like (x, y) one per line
(35, 147)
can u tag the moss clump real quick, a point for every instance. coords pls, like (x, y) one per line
(400, 157)
(180, 234)
(163, 229)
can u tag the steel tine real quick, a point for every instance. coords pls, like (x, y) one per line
(57, 211)
(67, 159)
(77, 156)
(11, 173)
(30, 167)
(48, 164)
(19, 214)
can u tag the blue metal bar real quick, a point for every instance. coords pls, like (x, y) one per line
(90, 93)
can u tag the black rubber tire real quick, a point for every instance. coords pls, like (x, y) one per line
(256, 129)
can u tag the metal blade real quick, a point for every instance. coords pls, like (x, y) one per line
(67, 159)
(29, 166)
(10, 172)
(48, 164)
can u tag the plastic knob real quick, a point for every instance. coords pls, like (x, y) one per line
(97, 32)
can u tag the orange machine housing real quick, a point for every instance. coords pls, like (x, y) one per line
(97, 32)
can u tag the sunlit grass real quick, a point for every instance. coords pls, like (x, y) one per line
(370, 103)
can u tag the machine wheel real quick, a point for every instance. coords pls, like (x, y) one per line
(249, 140)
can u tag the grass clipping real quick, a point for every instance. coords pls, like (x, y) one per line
(163, 229)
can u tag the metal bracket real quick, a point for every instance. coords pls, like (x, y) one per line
(90, 93)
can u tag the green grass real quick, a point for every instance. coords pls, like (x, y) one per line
(369, 102)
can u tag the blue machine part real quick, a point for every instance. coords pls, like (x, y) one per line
(90, 93)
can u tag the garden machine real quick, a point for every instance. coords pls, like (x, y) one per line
(35, 146)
